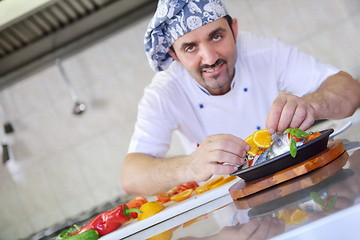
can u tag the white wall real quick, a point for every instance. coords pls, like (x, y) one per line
(65, 164)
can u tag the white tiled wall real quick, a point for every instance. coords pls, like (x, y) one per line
(65, 164)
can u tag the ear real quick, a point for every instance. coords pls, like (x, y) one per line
(235, 28)
(173, 55)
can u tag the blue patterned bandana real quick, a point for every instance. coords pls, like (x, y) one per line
(173, 19)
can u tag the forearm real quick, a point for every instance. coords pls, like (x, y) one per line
(338, 97)
(218, 154)
(143, 174)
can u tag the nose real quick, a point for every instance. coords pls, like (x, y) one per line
(209, 55)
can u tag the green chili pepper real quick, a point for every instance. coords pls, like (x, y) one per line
(90, 234)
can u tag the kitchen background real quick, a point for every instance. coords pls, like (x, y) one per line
(64, 165)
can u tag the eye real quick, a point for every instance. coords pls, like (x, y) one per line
(189, 48)
(217, 37)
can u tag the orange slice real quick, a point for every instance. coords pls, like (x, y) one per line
(192, 221)
(150, 208)
(208, 184)
(222, 182)
(262, 138)
(298, 216)
(285, 215)
(167, 235)
(253, 147)
(182, 195)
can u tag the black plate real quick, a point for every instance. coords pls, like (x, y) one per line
(285, 160)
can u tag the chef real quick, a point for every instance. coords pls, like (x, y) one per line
(214, 86)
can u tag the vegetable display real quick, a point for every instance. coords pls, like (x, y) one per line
(109, 221)
(138, 208)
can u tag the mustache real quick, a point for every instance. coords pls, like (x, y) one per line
(218, 62)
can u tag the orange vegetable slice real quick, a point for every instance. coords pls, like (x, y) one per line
(192, 221)
(163, 198)
(167, 235)
(313, 136)
(223, 182)
(285, 215)
(208, 184)
(182, 195)
(293, 216)
(298, 216)
(262, 138)
(253, 147)
(137, 202)
(150, 208)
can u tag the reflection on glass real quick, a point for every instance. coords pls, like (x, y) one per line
(326, 205)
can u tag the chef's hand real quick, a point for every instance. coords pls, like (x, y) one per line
(348, 190)
(217, 154)
(256, 229)
(289, 111)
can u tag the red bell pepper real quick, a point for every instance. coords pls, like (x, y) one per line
(109, 221)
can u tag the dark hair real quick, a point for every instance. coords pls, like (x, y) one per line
(229, 20)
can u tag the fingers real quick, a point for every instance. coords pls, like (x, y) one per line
(227, 153)
(343, 202)
(248, 229)
(226, 142)
(277, 227)
(224, 148)
(218, 154)
(275, 114)
(262, 230)
(221, 169)
(289, 111)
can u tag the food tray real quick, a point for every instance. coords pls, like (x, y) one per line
(285, 160)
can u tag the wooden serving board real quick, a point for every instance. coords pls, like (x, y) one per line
(242, 189)
(294, 185)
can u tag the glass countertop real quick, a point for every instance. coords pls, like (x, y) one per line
(321, 203)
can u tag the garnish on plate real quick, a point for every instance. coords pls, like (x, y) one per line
(295, 135)
(265, 146)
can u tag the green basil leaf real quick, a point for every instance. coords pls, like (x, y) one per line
(293, 149)
(298, 135)
(305, 135)
(331, 203)
(288, 130)
(317, 199)
(301, 132)
(298, 130)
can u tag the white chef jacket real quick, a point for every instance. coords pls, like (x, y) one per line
(174, 101)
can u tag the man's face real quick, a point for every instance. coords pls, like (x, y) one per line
(208, 53)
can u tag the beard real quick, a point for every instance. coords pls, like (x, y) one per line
(217, 81)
